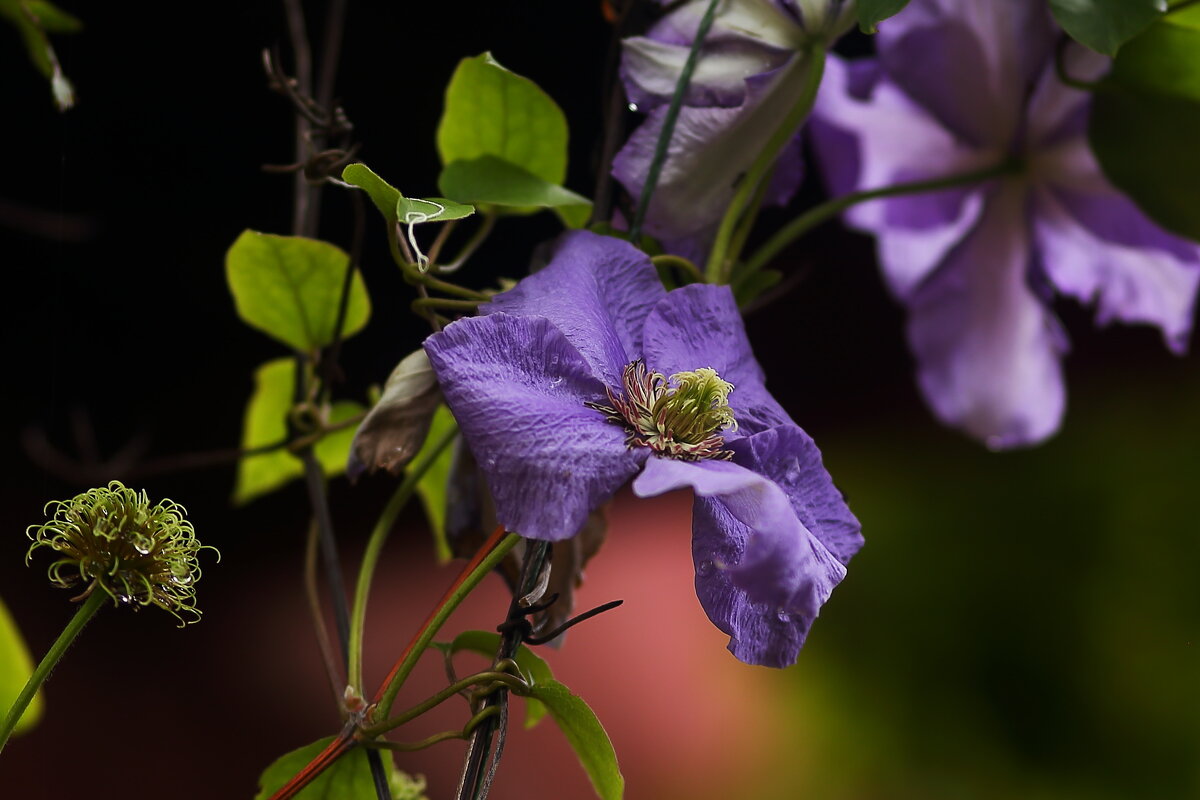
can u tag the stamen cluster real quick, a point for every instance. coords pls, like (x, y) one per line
(680, 418)
(113, 539)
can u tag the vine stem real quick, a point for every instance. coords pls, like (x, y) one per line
(82, 616)
(831, 208)
(722, 256)
(375, 543)
(668, 129)
(489, 555)
(474, 783)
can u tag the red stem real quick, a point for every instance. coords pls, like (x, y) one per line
(345, 741)
(342, 744)
(482, 553)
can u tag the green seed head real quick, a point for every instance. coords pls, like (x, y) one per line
(114, 540)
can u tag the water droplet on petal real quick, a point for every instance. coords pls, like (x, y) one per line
(783, 616)
(557, 381)
(632, 107)
(705, 568)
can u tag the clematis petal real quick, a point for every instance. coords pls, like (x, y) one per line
(711, 148)
(517, 387)
(761, 576)
(987, 348)
(650, 70)
(1131, 282)
(596, 290)
(885, 139)
(699, 326)
(789, 457)
(968, 61)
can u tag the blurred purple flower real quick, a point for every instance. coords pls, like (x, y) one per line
(537, 382)
(963, 85)
(750, 72)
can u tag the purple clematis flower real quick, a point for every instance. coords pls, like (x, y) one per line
(560, 391)
(750, 73)
(963, 85)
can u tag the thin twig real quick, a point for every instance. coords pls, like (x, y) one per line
(332, 668)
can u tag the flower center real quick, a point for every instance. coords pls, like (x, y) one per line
(680, 418)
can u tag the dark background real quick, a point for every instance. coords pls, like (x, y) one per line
(1020, 624)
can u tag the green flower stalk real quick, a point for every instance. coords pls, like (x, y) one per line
(113, 540)
(119, 547)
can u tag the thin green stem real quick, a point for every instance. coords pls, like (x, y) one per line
(444, 736)
(422, 303)
(721, 258)
(451, 601)
(831, 208)
(1060, 68)
(414, 275)
(493, 677)
(679, 263)
(379, 536)
(468, 250)
(84, 615)
(668, 128)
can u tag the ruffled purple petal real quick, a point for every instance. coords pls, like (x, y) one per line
(711, 148)
(789, 457)
(987, 348)
(517, 388)
(1058, 111)
(970, 62)
(597, 290)
(699, 326)
(761, 576)
(1130, 282)
(887, 139)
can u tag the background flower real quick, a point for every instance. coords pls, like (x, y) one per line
(748, 77)
(978, 266)
(771, 533)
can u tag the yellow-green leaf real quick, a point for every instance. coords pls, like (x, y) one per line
(289, 287)
(265, 423)
(491, 111)
(15, 668)
(348, 779)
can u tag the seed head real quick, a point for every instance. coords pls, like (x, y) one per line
(113, 539)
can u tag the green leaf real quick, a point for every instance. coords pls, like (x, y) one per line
(872, 12)
(1144, 120)
(491, 111)
(587, 737)
(52, 18)
(432, 485)
(265, 423)
(489, 180)
(1105, 25)
(534, 670)
(289, 288)
(33, 19)
(577, 721)
(348, 779)
(414, 211)
(382, 194)
(15, 669)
